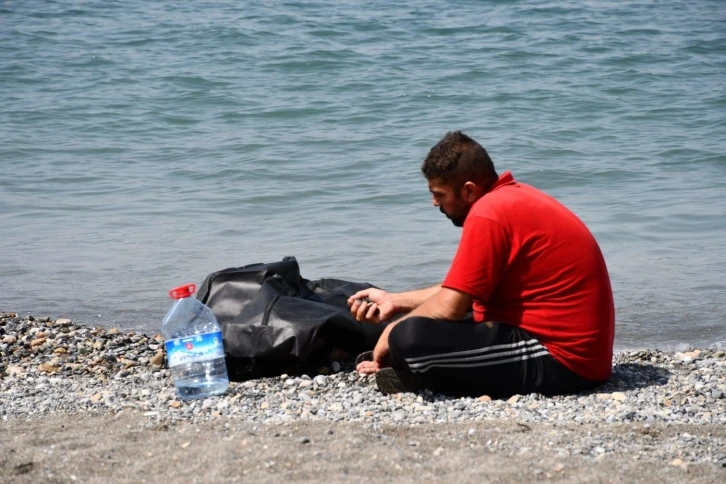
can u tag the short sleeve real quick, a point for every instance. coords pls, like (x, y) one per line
(481, 258)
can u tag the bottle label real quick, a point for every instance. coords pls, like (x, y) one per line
(200, 347)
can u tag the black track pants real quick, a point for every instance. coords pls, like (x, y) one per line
(465, 358)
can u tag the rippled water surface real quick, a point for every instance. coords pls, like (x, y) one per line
(143, 145)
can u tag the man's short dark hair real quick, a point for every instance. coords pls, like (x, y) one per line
(457, 159)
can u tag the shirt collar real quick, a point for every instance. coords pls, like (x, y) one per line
(505, 179)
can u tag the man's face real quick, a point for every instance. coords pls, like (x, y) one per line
(449, 201)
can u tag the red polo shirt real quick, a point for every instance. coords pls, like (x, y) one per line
(528, 261)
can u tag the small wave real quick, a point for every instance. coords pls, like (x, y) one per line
(194, 81)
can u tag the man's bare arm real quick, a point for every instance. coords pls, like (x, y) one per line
(384, 305)
(444, 303)
(410, 300)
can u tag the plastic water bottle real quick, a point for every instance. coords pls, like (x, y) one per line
(194, 347)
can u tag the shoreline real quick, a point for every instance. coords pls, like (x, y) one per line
(662, 414)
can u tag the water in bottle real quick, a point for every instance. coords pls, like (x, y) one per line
(194, 347)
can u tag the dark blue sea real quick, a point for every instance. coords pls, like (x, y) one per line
(146, 144)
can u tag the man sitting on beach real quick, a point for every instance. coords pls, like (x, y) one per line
(543, 315)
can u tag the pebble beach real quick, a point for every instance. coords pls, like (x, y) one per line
(666, 409)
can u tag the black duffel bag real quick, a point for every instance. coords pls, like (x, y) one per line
(274, 321)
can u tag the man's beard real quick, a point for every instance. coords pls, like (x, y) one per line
(457, 220)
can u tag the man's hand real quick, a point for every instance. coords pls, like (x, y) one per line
(380, 308)
(380, 354)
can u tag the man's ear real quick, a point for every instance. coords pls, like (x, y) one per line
(470, 192)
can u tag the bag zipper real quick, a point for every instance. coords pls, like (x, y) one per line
(268, 310)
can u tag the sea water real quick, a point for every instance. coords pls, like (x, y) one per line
(143, 144)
